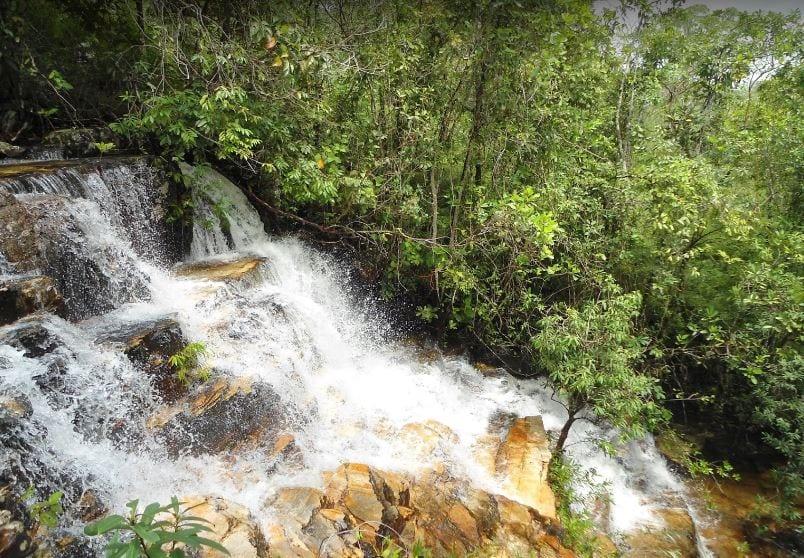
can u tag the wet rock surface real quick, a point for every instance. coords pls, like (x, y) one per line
(674, 536)
(41, 235)
(30, 336)
(22, 296)
(223, 270)
(79, 142)
(732, 530)
(149, 345)
(14, 538)
(221, 415)
(362, 509)
(522, 461)
(10, 150)
(14, 409)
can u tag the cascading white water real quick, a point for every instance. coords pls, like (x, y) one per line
(345, 381)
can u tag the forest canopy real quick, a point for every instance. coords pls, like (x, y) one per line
(610, 198)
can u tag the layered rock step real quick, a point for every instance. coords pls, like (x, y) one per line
(248, 268)
(362, 511)
(22, 296)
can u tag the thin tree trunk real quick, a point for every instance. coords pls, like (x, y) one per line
(434, 203)
(565, 430)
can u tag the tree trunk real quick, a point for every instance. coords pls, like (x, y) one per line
(434, 203)
(565, 430)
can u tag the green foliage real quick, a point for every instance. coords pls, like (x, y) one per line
(189, 363)
(578, 526)
(157, 532)
(47, 511)
(103, 147)
(591, 354)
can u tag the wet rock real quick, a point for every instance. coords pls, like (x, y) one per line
(149, 345)
(79, 142)
(90, 507)
(26, 295)
(9, 150)
(14, 409)
(14, 538)
(40, 235)
(30, 336)
(520, 460)
(426, 437)
(223, 270)
(231, 525)
(446, 514)
(733, 518)
(18, 241)
(674, 537)
(224, 414)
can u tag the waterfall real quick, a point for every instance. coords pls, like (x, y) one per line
(335, 374)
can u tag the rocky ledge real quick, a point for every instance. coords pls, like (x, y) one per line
(362, 510)
(21, 296)
(223, 270)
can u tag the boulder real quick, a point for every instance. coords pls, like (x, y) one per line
(12, 151)
(30, 336)
(224, 414)
(520, 460)
(14, 409)
(26, 295)
(149, 345)
(232, 525)
(222, 270)
(40, 235)
(362, 509)
(79, 142)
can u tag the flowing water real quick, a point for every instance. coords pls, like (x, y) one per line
(341, 380)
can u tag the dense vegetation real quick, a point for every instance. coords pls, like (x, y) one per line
(610, 198)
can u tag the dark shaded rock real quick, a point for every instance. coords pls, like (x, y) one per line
(10, 150)
(41, 235)
(149, 345)
(31, 337)
(26, 295)
(14, 539)
(80, 142)
(221, 415)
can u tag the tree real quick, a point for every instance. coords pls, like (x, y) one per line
(591, 355)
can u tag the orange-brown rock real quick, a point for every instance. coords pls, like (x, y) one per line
(231, 525)
(222, 270)
(223, 414)
(521, 463)
(361, 509)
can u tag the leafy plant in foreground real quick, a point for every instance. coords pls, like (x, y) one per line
(158, 532)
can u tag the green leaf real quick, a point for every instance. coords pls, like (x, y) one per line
(105, 525)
